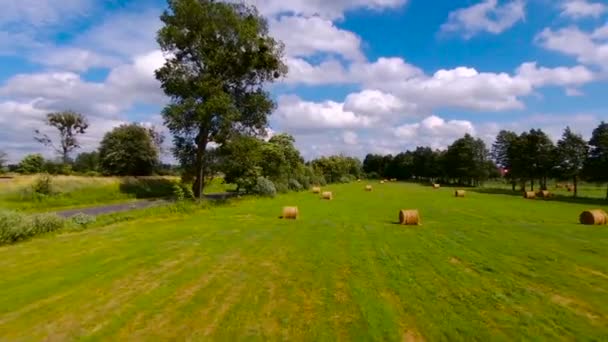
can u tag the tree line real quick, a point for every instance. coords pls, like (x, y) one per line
(220, 59)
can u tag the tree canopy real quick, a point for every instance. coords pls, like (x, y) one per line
(128, 150)
(69, 124)
(219, 57)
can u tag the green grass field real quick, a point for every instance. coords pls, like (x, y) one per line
(76, 191)
(484, 267)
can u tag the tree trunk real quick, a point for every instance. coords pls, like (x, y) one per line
(513, 184)
(575, 183)
(532, 184)
(199, 182)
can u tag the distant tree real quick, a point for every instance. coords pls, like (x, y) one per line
(536, 156)
(596, 168)
(426, 164)
(373, 164)
(240, 161)
(128, 150)
(32, 163)
(70, 125)
(571, 154)
(220, 57)
(505, 155)
(465, 160)
(87, 161)
(3, 160)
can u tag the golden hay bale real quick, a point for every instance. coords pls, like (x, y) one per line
(381, 182)
(569, 187)
(290, 213)
(594, 217)
(393, 179)
(559, 185)
(368, 188)
(543, 194)
(316, 190)
(409, 217)
(327, 195)
(459, 193)
(436, 186)
(529, 195)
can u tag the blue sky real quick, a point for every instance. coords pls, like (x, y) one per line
(365, 75)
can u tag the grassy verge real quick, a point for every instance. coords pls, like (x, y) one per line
(483, 267)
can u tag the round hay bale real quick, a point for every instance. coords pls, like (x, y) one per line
(436, 186)
(381, 182)
(316, 190)
(459, 193)
(594, 217)
(327, 195)
(529, 195)
(569, 187)
(543, 194)
(559, 185)
(290, 213)
(368, 188)
(409, 217)
(393, 179)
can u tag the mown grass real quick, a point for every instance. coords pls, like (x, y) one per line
(76, 192)
(484, 267)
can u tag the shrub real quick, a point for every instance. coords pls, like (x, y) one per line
(147, 187)
(83, 220)
(178, 192)
(318, 180)
(347, 179)
(305, 182)
(294, 185)
(16, 227)
(281, 187)
(92, 174)
(43, 185)
(264, 187)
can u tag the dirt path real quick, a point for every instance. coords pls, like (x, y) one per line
(121, 207)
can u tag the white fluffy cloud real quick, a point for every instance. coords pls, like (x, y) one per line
(486, 16)
(39, 13)
(307, 36)
(434, 131)
(374, 103)
(582, 8)
(329, 71)
(333, 9)
(588, 48)
(298, 116)
(562, 76)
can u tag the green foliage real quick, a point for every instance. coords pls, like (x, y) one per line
(69, 124)
(82, 221)
(86, 162)
(264, 187)
(221, 58)
(15, 227)
(571, 154)
(466, 160)
(43, 186)
(178, 192)
(148, 187)
(333, 168)
(3, 160)
(32, 163)
(294, 185)
(128, 150)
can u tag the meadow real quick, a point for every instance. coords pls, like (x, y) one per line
(483, 267)
(78, 191)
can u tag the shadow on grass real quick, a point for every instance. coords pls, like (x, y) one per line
(147, 187)
(554, 197)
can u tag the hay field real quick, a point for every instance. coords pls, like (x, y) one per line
(484, 267)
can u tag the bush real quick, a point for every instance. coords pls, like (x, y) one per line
(16, 227)
(281, 187)
(318, 180)
(347, 179)
(83, 220)
(43, 186)
(92, 174)
(147, 187)
(178, 192)
(294, 185)
(264, 187)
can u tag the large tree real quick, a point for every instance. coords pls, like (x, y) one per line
(596, 167)
(465, 160)
(536, 156)
(219, 57)
(69, 124)
(505, 154)
(128, 150)
(571, 154)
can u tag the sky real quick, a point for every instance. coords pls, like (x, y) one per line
(365, 76)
